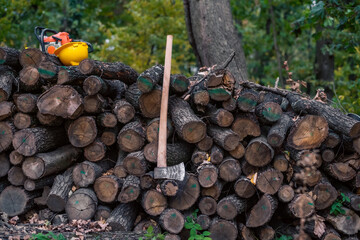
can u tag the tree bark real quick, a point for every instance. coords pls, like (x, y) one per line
(59, 192)
(7, 135)
(7, 77)
(123, 217)
(6, 109)
(10, 57)
(207, 23)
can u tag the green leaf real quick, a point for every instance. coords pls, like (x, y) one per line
(199, 237)
(206, 233)
(207, 238)
(193, 232)
(191, 238)
(189, 219)
(150, 229)
(141, 238)
(188, 225)
(197, 226)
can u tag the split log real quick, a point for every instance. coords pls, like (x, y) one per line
(334, 117)
(49, 120)
(48, 71)
(102, 213)
(172, 220)
(15, 201)
(187, 195)
(85, 173)
(23, 120)
(44, 164)
(81, 204)
(82, 132)
(62, 101)
(6, 109)
(258, 152)
(124, 111)
(135, 163)
(149, 103)
(325, 193)
(58, 195)
(214, 191)
(4, 164)
(269, 181)
(244, 188)
(70, 75)
(224, 137)
(169, 187)
(7, 77)
(268, 112)
(219, 116)
(95, 104)
(7, 130)
(30, 80)
(26, 102)
(178, 83)
(302, 206)
(286, 193)
(152, 129)
(229, 207)
(114, 89)
(246, 125)
(107, 188)
(95, 151)
(10, 57)
(15, 158)
(30, 141)
(198, 157)
(123, 217)
(188, 126)
(204, 221)
(31, 185)
(119, 169)
(229, 169)
(247, 100)
(207, 205)
(115, 70)
(16, 176)
(148, 79)
(205, 144)
(109, 135)
(262, 212)
(308, 133)
(131, 137)
(208, 174)
(130, 190)
(281, 163)
(222, 229)
(277, 132)
(153, 202)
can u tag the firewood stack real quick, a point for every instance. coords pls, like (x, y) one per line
(261, 162)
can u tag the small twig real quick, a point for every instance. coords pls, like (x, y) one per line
(227, 61)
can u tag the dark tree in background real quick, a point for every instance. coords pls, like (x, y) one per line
(212, 35)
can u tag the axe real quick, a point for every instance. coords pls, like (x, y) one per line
(176, 172)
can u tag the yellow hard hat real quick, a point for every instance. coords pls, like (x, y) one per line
(72, 53)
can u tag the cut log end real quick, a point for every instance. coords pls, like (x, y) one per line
(262, 212)
(154, 203)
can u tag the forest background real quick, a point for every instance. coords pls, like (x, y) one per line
(319, 39)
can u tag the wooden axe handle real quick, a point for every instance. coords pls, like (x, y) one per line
(161, 156)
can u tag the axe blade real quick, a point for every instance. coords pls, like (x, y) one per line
(176, 172)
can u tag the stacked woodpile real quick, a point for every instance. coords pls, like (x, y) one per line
(80, 142)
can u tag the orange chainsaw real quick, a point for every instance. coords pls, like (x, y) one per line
(70, 51)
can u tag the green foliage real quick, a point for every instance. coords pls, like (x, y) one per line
(48, 236)
(195, 228)
(284, 237)
(150, 235)
(337, 206)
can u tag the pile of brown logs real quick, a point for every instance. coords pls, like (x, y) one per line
(80, 142)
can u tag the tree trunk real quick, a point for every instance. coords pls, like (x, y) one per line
(204, 221)
(107, 119)
(33, 57)
(114, 89)
(62, 101)
(268, 112)
(30, 141)
(59, 192)
(205, 22)
(188, 126)
(199, 157)
(326, 194)
(44, 164)
(178, 83)
(48, 71)
(172, 221)
(123, 217)
(82, 204)
(281, 163)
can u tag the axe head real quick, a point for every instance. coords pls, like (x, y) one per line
(176, 172)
